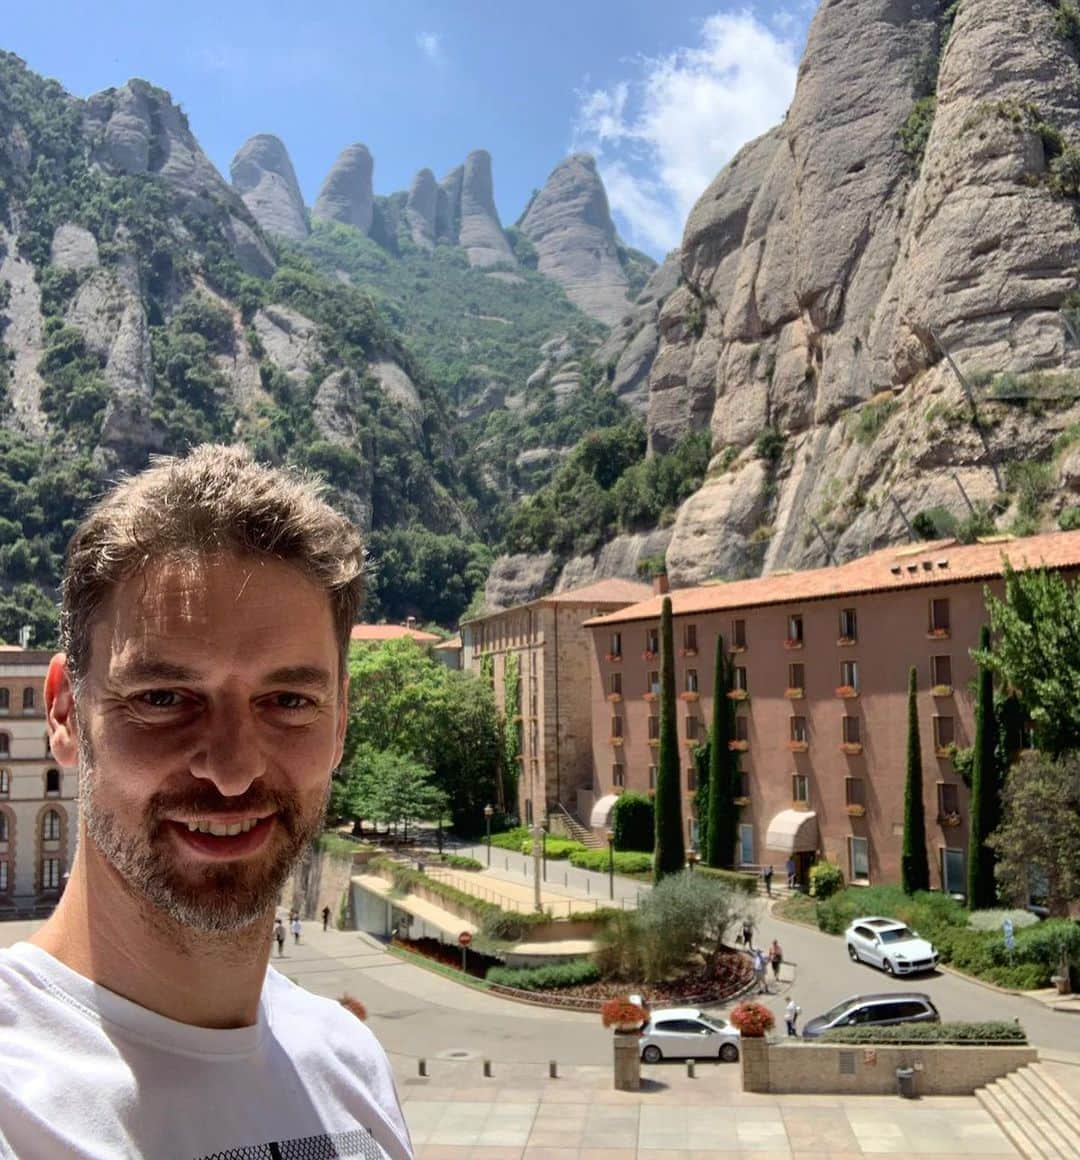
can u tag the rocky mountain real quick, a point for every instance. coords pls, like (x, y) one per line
(263, 175)
(347, 193)
(876, 324)
(473, 220)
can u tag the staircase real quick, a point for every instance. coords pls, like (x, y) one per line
(563, 821)
(1037, 1115)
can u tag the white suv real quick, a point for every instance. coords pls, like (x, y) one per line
(888, 944)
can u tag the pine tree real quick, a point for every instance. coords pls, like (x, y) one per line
(914, 865)
(985, 790)
(722, 829)
(670, 856)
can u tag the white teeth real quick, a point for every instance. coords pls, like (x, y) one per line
(220, 829)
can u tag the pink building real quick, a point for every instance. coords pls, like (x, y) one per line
(821, 662)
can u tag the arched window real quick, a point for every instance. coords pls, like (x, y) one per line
(28, 698)
(5, 700)
(52, 781)
(5, 781)
(50, 827)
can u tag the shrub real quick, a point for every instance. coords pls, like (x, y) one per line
(869, 419)
(915, 131)
(769, 445)
(826, 878)
(458, 862)
(752, 1020)
(508, 925)
(626, 861)
(633, 824)
(549, 978)
(560, 848)
(990, 1032)
(992, 919)
(1069, 519)
(511, 839)
(1065, 172)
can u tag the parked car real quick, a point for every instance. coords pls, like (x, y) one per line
(888, 944)
(685, 1032)
(875, 1011)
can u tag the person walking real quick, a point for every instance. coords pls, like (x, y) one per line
(325, 917)
(296, 929)
(748, 934)
(766, 875)
(759, 972)
(791, 1015)
(279, 936)
(790, 873)
(776, 957)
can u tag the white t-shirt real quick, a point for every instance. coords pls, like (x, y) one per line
(86, 1073)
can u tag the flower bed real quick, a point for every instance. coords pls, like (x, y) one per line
(477, 963)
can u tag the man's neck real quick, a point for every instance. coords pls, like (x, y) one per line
(103, 932)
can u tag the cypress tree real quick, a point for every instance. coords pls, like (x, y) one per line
(670, 856)
(985, 804)
(723, 769)
(914, 865)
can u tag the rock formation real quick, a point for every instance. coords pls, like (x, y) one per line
(347, 194)
(570, 225)
(262, 173)
(421, 210)
(470, 218)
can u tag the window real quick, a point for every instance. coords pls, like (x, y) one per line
(50, 873)
(3, 874)
(52, 781)
(849, 627)
(953, 874)
(3, 828)
(28, 699)
(654, 682)
(796, 676)
(738, 679)
(5, 745)
(798, 731)
(618, 776)
(5, 700)
(5, 781)
(654, 728)
(616, 726)
(851, 730)
(944, 733)
(794, 630)
(615, 684)
(50, 827)
(941, 672)
(854, 792)
(528, 812)
(849, 674)
(652, 777)
(652, 640)
(738, 634)
(615, 647)
(693, 728)
(746, 844)
(691, 681)
(742, 728)
(859, 859)
(948, 800)
(939, 617)
(800, 788)
(691, 778)
(744, 784)
(689, 638)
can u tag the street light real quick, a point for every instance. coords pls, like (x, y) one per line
(610, 835)
(488, 811)
(537, 845)
(692, 857)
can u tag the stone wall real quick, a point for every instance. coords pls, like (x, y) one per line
(871, 1070)
(319, 880)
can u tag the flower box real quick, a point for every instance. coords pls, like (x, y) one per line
(798, 746)
(649, 696)
(803, 807)
(616, 741)
(614, 698)
(847, 691)
(943, 751)
(856, 811)
(738, 746)
(648, 656)
(949, 819)
(623, 1015)
(737, 648)
(753, 1020)
(942, 691)
(851, 747)
(688, 652)
(738, 695)
(795, 694)
(938, 634)
(689, 695)
(844, 641)
(613, 656)
(742, 800)
(654, 742)
(792, 643)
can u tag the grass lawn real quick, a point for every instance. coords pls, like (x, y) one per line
(797, 908)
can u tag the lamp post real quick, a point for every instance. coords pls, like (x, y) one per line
(488, 811)
(537, 845)
(610, 835)
(692, 857)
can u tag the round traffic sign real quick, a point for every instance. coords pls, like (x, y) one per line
(464, 938)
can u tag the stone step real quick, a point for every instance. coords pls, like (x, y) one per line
(1064, 1102)
(1030, 1108)
(1005, 1118)
(1054, 1107)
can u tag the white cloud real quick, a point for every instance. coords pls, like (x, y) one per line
(661, 138)
(429, 44)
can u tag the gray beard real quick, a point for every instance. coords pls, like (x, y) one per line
(217, 899)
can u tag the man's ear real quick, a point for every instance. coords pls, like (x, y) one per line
(60, 712)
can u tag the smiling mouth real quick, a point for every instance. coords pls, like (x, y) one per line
(222, 829)
(216, 839)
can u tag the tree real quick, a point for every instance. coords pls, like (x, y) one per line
(1036, 653)
(633, 824)
(670, 850)
(914, 865)
(390, 789)
(985, 790)
(1038, 842)
(722, 829)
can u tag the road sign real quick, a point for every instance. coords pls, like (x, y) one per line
(464, 938)
(1010, 938)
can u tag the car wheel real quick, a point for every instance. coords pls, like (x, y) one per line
(652, 1054)
(887, 967)
(853, 954)
(729, 1053)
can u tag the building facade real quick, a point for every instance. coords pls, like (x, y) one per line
(38, 820)
(820, 663)
(538, 658)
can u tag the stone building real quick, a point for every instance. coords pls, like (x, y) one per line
(38, 820)
(820, 669)
(546, 642)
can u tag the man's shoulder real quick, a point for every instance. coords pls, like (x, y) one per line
(295, 1013)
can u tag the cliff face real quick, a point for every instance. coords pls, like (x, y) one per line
(347, 194)
(262, 173)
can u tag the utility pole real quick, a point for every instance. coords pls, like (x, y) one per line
(907, 522)
(970, 395)
(821, 535)
(537, 841)
(971, 506)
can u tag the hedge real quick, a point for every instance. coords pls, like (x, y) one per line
(633, 823)
(990, 1032)
(626, 861)
(459, 862)
(550, 978)
(747, 883)
(520, 841)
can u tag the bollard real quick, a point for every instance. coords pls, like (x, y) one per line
(553, 1069)
(422, 1067)
(487, 1069)
(689, 1069)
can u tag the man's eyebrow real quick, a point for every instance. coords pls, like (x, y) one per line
(143, 670)
(310, 676)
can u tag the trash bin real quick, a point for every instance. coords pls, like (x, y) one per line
(905, 1082)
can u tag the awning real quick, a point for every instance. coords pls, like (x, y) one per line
(792, 832)
(601, 811)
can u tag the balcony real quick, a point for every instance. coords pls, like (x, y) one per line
(845, 641)
(798, 746)
(648, 655)
(742, 800)
(944, 751)
(654, 742)
(938, 633)
(942, 691)
(689, 695)
(650, 696)
(616, 741)
(847, 692)
(795, 693)
(949, 819)
(854, 810)
(737, 648)
(793, 642)
(688, 652)
(614, 698)
(851, 747)
(738, 746)
(613, 657)
(738, 695)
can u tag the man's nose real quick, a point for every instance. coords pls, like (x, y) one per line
(231, 755)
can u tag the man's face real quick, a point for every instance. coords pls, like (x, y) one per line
(208, 723)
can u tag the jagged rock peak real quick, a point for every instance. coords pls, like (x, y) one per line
(569, 223)
(473, 219)
(347, 194)
(421, 209)
(262, 173)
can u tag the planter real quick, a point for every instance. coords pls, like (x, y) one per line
(851, 747)
(738, 695)
(944, 751)
(741, 801)
(793, 644)
(738, 746)
(847, 691)
(648, 656)
(938, 634)
(794, 694)
(948, 819)
(614, 698)
(844, 641)
(689, 695)
(613, 656)
(616, 741)
(654, 742)
(737, 648)
(941, 691)
(856, 811)
(649, 696)
(798, 746)
(626, 1057)
(688, 652)
(802, 807)
(754, 1057)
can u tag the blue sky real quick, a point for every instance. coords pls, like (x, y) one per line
(662, 92)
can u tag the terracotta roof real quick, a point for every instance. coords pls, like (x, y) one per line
(365, 632)
(891, 569)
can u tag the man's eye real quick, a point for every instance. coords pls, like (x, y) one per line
(292, 701)
(161, 698)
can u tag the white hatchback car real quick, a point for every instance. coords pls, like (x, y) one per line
(686, 1032)
(888, 944)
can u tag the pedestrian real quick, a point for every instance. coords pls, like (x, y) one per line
(766, 874)
(279, 936)
(791, 1015)
(776, 957)
(325, 917)
(296, 928)
(791, 873)
(759, 972)
(201, 696)
(748, 933)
